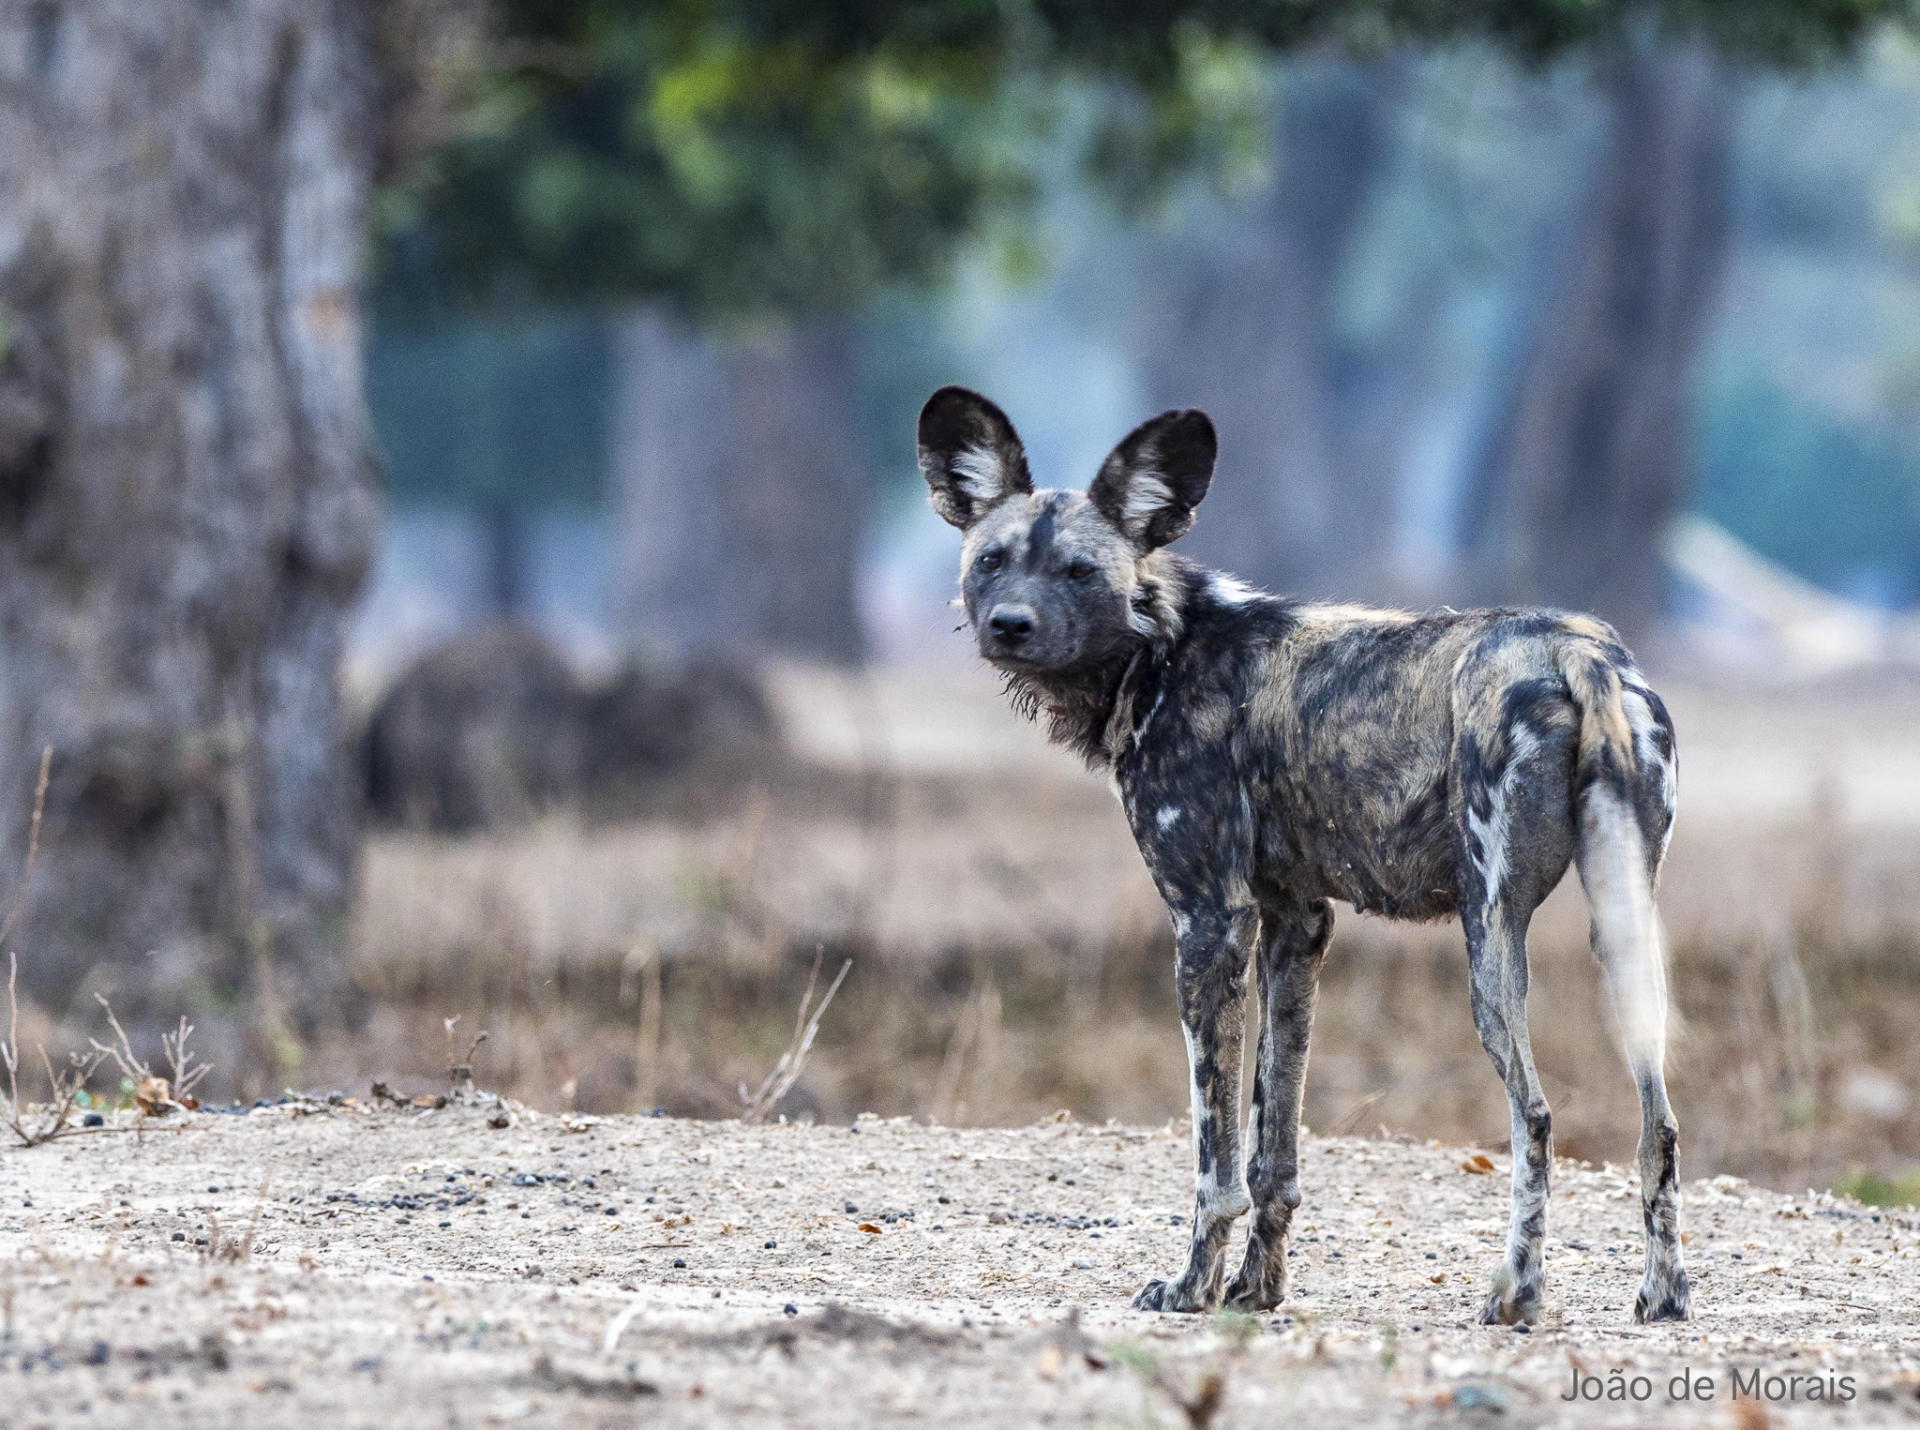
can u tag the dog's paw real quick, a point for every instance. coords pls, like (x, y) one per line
(1662, 1299)
(1259, 1285)
(1512, 1302)
(1158, 1295)
(1255, 1294)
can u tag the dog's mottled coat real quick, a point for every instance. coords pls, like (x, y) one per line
(1275, 755)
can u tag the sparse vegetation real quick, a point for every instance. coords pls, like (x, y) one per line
(32, 1126)
(1877, 1190)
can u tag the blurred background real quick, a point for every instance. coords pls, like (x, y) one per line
(463, 549)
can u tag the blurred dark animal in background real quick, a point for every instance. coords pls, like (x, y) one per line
(1273, 755)
(496, 727)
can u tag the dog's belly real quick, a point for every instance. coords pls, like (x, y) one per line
(1390, 857)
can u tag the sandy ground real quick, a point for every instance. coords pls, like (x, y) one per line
(308, 1265)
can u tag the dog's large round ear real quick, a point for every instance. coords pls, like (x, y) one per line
(1150, 483)
(970, 455)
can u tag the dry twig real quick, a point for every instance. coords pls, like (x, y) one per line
(460, 1070)
(786, 1072)
(64, 1086)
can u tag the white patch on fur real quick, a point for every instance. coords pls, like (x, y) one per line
(1231, 590)
(1147, 719)
(1181, 923)
(1119, 795)
(1147, 494)
(1167, 815)
(1647, 755)
(1141, 622)
(1494, 831)
(979, 474)
(1218, 1198)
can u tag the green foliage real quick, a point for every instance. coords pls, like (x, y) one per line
(730, 158)
(736, 157)
(1878, 1191)
(1837, 502)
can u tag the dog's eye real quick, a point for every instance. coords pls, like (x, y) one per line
(990, 561)
(1080, 570)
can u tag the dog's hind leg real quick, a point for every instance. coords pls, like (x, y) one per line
(1516, 840)
(1497, 959)
(1211, 950)
(1293, 940)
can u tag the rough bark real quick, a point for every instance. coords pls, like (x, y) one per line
(186, 508)
(1297, 503)
(739, 490)
(1588, 459)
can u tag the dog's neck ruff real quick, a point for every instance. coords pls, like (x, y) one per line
(1091, 708)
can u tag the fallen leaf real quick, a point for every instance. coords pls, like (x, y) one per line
(1437, 1277)
(868, 1226)
(154, 1096)
(1479, 1164)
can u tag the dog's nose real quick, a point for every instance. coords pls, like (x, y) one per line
(1011, 625)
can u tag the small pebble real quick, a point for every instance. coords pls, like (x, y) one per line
(179, 1236)
(678, 1264)
(790, 1309)
(771, 1245)
(1080, 1263)
(851, 1208)
(93, 1119)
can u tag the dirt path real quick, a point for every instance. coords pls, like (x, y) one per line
(412, 1269)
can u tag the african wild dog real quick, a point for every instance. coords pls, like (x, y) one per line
(1273, 755)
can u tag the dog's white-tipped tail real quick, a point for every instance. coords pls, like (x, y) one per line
(1612, 856)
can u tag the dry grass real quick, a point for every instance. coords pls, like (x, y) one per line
(1012, 959)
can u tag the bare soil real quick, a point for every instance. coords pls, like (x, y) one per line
(313, 1265)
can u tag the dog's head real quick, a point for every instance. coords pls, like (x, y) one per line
(1053, 579)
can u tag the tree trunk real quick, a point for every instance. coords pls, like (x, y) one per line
(739, 490)
(1295, 504)
(1588, 460)
(506, 533)
(186, 509)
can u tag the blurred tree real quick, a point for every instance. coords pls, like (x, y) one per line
(186, 505)
(1302, 499)
(1589, 457)
(531, 430)
(749, 165)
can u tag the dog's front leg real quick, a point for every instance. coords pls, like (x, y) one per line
(1211, 979)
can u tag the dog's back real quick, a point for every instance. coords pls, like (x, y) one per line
(1377, 747)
